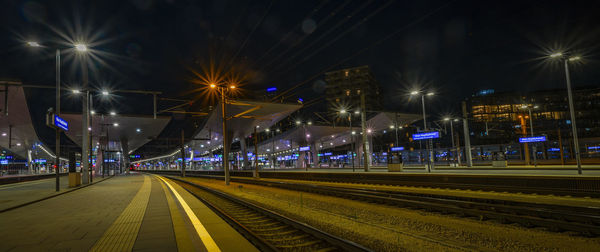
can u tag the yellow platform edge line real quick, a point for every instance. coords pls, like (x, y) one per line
(121, 235)
(208, 241)
(184, 243)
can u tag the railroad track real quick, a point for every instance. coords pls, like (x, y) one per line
(266, 229)
(557, 218)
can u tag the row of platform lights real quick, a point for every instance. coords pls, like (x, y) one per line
(4, 135)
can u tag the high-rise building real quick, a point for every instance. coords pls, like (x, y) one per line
(344, 87)
(498, 115)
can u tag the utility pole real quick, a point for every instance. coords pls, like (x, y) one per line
(467, 135)
(182, 153)
(255, 154)
(225, 142)
(84, 126)
(363, 117)
(57, 113)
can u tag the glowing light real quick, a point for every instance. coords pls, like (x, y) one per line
(575, 58)
(414, 93)
(33, 44)
(357, 112)
(309, 123)
(298, 122)
(447, 119)
(369, 130)
(116, 124)
(430, 93)
(18, 144)
(75, 91)
(353, 132)
(105, 92)
(212, 85)
(267, 130)
(232, 87)
(343, 111)
(89, 128)
(3, 133)
(556, 55)
(80, 47)
(307, 135)
(92, 112)
(112, 113)
(138, 130)
(392, 126)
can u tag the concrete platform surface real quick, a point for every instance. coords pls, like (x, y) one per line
(126, 213)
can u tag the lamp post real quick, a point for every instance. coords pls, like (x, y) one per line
(78, 47)
(343, 111)
(448, 119)
(222, 90)
(429, 145)
(531, 130)
(566, 59)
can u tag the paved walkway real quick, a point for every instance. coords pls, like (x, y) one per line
(125, 213)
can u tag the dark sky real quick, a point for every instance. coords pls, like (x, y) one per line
(454, 48)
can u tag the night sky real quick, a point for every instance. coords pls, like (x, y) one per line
(454, 48)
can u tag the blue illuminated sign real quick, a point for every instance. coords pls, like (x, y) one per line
(594, 148)
(397, 148)
(426, 135)
(327, 154)
(4, 162)
(61, 123)
(305, 148)
(532, 139)
(554, 149)
(271, 89)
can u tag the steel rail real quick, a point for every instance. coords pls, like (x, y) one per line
(337, 243)
(584, 220)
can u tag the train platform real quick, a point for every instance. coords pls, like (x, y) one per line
(552, 170)
(135, 212)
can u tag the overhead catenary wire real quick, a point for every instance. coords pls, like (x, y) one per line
(289, 33)
(324, 21)
(391, 35)
(330, 42)
(325, 34)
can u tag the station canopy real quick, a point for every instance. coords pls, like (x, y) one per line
(137, 130)
(16, 124)
(326, 137)
(244, 117)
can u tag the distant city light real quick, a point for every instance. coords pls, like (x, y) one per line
(574, 58)
(3, 133)
(33, 44)
(232, 87)
(75, 91)
(343, 111)
(138, 130)
(18, 144)
(212, 85)
(104, 92)
(80, 47)
(112, 113)
(116, 124)
(430, 93)
(92, 112)
(555, 55)
(414, 93)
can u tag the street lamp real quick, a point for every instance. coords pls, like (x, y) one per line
(528, 107)
(79, 47)
(342, 112)
(566, 59)
(226, 145)
(448, 119)
(429, 148)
